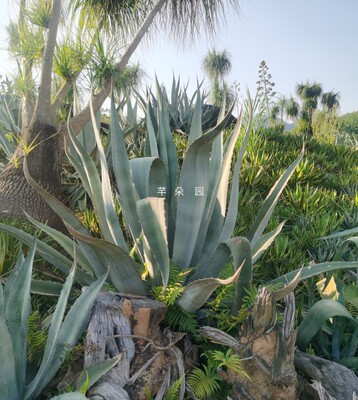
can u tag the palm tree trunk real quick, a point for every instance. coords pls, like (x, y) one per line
(44, 162)
(81, 119)
(16, 196)
(42, 110)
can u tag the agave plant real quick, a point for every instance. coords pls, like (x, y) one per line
(20, 382)
(179, 216)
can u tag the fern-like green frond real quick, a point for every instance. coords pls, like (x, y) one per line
(173, 390)
(204, 382)
(180, 320)
(36, 338)
(229, 360)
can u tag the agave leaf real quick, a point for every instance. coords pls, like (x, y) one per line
(232, 210)
(241, 254)
(49, 254)
(266, 210)
(211, 266)
(166, 147)
(127, 194)
(8, 381)
(265, 242)
(316, 316)
(316, 269)
(17, 308)
(196, 124)
(190, 207)
(46, 288)
(152, 217)
(37, 383)
(70, 396)
(197, 293)
(90, 376)
(341, 234)
(66, 334)
(96, 190)
(287, 289)
(81, 172)
(342, 248)
(108, 204)
(148, 175)
(123, 272)
(153, 146)
(17, 300)
(67, 243)
(216, 231)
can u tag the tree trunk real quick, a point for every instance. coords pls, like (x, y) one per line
(129, 327)
(43, 161)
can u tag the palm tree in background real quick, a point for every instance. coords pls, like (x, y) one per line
(309, 94)
(292, 108)
(330, 100)
(217, 65)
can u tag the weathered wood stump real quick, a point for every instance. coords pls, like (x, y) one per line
(129, 327)
(325, 380)
(267, 352)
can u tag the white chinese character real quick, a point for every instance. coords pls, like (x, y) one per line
(162, 190)
(199, 191)
(179, 191)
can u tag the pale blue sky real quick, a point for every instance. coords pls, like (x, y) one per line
(299, 40)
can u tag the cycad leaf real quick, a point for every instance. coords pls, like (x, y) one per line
(316, 316)
(151, 213)
(266, 210)
(197, 293)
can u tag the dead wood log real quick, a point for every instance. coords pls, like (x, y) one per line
(323, 379)
(129, 327)
(266, 350)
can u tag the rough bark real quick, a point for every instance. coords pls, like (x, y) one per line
(43, 161)
(129, 327)
(323, 379)
(270, 351)
(266, 350)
